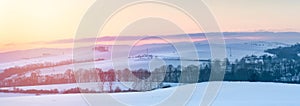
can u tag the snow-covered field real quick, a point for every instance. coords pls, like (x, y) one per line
(62, 87)
(233, 51)
(5, 95)
(230, 94)
(94, 86)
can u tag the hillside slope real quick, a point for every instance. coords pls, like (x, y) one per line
(231, 94)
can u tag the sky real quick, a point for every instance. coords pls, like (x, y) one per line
(27, 24)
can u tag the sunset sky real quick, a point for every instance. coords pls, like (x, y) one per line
(26, 24)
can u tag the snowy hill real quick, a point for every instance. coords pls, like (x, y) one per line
(32, 54)
(230, 94)
(233, 51)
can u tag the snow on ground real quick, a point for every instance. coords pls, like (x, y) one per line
(91, 86)
(5, 95)
(23, 62)
(32, 54)
(237, 50)
(233, 51)
(46, 100)
(11, 62)
(63, 87)
(105, 65)
(230, 94)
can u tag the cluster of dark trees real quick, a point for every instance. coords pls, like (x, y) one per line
(80, 90)
(67, 91)
(283, 66)
(266, 69)
(291, 52)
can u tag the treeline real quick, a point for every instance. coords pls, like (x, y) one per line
(70, 76)
(35, 78)
(250, 68)
(66, 91)
(30, 91)
(18, 70)
(283, 67)
(266, 69)
(30, 67)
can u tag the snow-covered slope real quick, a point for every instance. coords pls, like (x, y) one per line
(32, 54)
(95, 86)
(230, 94)
(233, 51)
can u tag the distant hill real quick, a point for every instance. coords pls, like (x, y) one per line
(266, 44)
(290, 52)
(32, 53)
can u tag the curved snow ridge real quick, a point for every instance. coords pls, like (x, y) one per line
(230, 94)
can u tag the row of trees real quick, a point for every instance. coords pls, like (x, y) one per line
(249, 68)
(19, 70)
